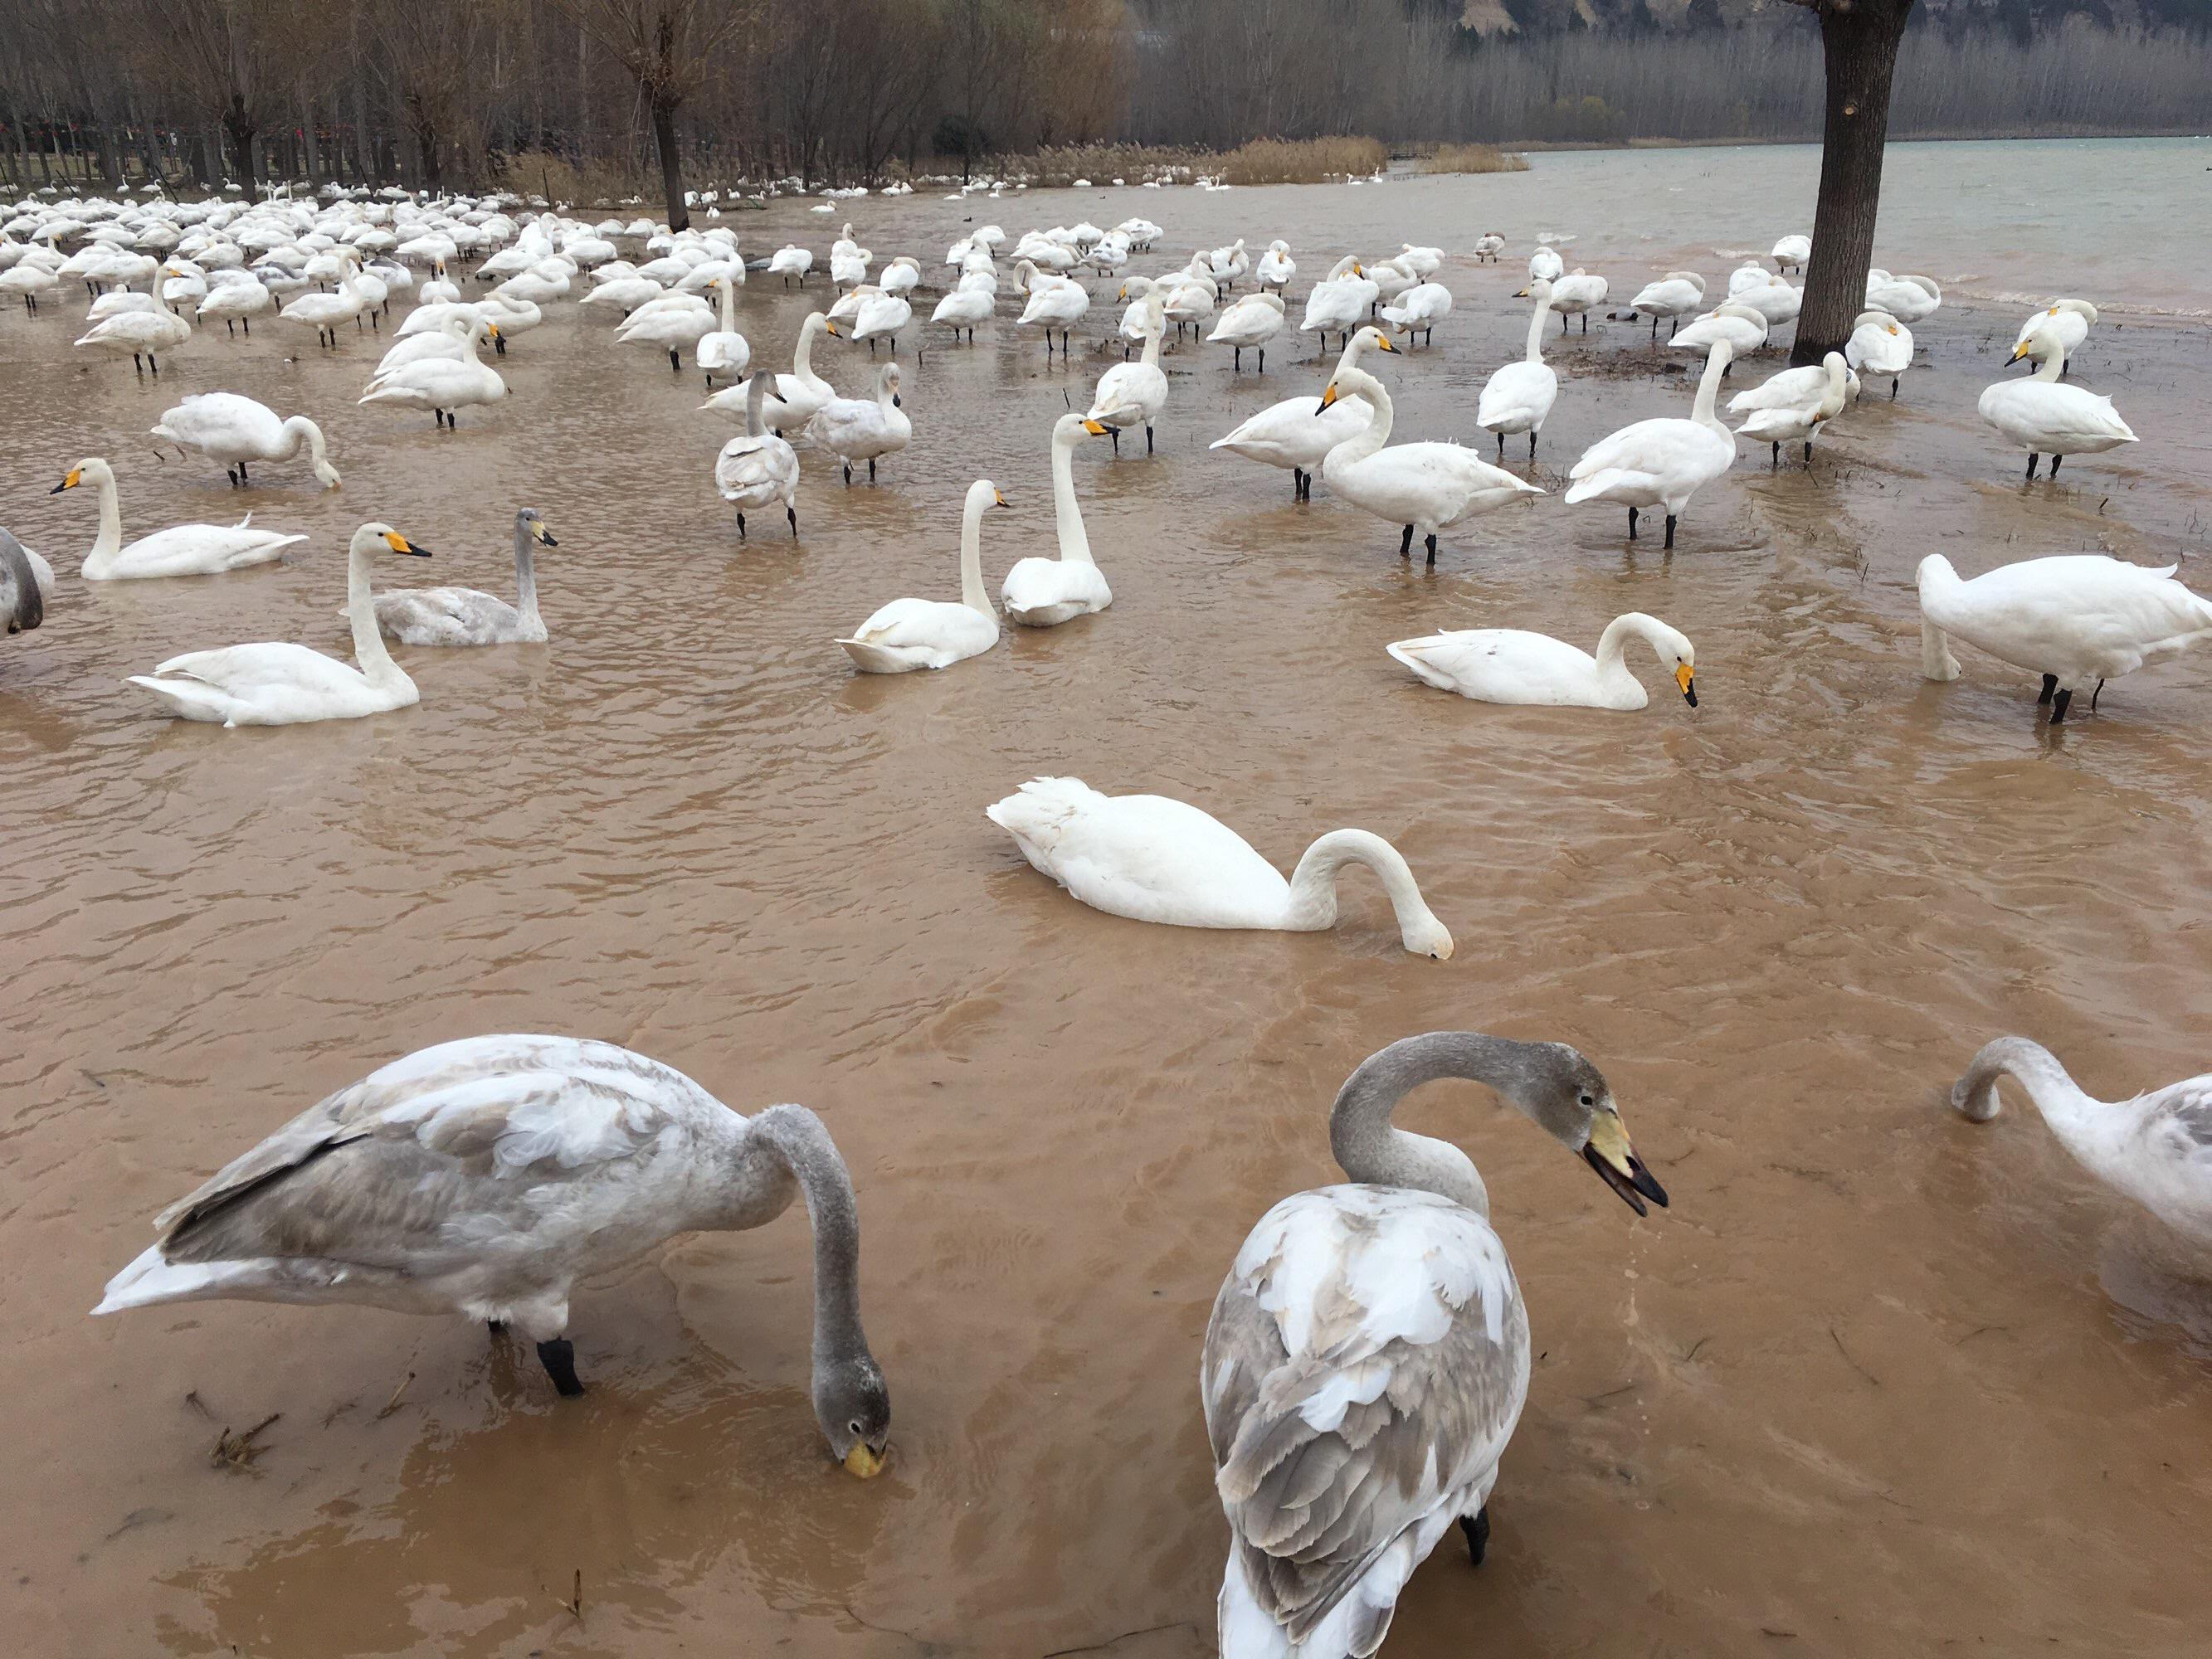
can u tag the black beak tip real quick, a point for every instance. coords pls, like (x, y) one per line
(1634, 1186)
(1690, 693)
(550, 540)
(57, 489)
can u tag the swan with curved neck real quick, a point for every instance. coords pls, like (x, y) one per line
(467, 616)
(1661, 463)
(1153, 859)
(910, 634)
(863, 428)
(2039, 415)
(184, 550)
(486, 1177)
(1424, 487)
(1297, 433)
(284, 684)
(1519, 397)
(792, 399)
(1367, 1359)
(2155, 1148)
(234, 430)
(1045, 593)
(1511, 665)
(1792, 406)
(724, 355)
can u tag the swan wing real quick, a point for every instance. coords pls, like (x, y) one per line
(1502, 665)
(2076, 613)
(1523, 392)
(1143, 856)
(1365, 1364)
(445, 616)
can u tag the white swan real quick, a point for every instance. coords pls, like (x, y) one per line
(286, 684)
(456, 342)
(140, 333)
(324, 312)
(1880, 344)
(964, 307)
(1054, 302)
(2155, 1148)
(184, 550)
(440, 289)
(1421, 306)
(2067, 319)
(441, 384)
(1792, 406)
(1488, 246)
(789, 261)
(1339, 302)
(1152, 859)
(1518, 397)
(1792, 250)
(759, 467)
(722, 353)
(1575, 295)
(1908, 299)
(1509, 665)
(238, 303)
(1276, 267)
(793, 399)
(1674, 296)
(1045, 593)
(2040, 416)
(1546, 265)
(1297, 433)
(669, 324)
(486, 1177)
(1133, 394)
(1661, 463)
(1368, 1356)
(2072, 618)
(468, 616)
(1252, 321)
(910, 634)
(227, 428)
(863, 428)
(1425, 487)
(1742, 329)
(881, 314)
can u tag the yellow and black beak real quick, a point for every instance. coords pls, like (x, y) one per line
(75, 478)
(1095, 429)
(1685, 677)
(864, 1462)
(492, 329)
(1609, 1153)
(998, 499)
(544, 536)
(834, 334)
(1328, 393)
(2019, 352)
(399, 544)
(1383, 340)
(1520, 294)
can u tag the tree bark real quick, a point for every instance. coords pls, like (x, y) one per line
(672, 164)
(1859, 39)
(241, 127)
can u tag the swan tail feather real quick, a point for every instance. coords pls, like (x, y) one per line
(873, 659)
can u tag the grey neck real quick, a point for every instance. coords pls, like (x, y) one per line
(526, 570)
(796, 1139)
(1370, 1151)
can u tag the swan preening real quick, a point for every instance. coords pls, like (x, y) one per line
(1045, 593)
(1790, 407)
(2155, 1148)
(1133, 394)
(1511, 665)
(910, 634)
(227, 428)
(486, 1177)
(467, 616)
(2045, 418)
(1879, 345)
(2072, 618)
(1674, 296)
(1661, 463)
(1368, 1356)
(1152, 859)
(184, 550)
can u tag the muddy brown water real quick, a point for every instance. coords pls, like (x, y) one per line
(1879, 1382)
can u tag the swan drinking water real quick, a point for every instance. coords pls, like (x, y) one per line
(1368, 1355)
(486, 1177)
(1511, 665)
(1152, 859)
(910, 634)
(228, 428)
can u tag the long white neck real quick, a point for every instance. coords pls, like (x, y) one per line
(1535, 353)
(729, 306)
(1313, 884)
(2084, 1125)
(1709, 386)
(525, 574)
(2052, 366)
(971, 558)
(109, 541)
(802, 361)
(1379, 427)
(1613, 644)
(368, 653)
(1156, 327)
(755, 400)
(1067, 517)
(884, 396)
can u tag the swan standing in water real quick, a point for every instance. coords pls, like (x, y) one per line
(722, 353)
(1792, 250)
(227, 428)
(758, 468)
(2155, 1148)
(1574, 295)
(1790, 407)
(863, 428)
(1518, 397)
(1339, 302)
(1879, 345)
(911, 634)
(2072, 617)
(1420, 306)
(467, 616)
(1511, 665)
(1425, 487)
(1368, 1356)
(1252, 321)
(184, 550)
(1741, 328)
(1661, 463)
(2046, 418)
(485, 1177)
(964, 307)
(1297, 433)
(1131, 394)
(143, 334)
(1152, 859)
(1046, 593)
(441, 385)
(287, 685)
(793, 400)
(1674, 296)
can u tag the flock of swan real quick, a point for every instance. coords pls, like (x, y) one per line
(1368, 1356)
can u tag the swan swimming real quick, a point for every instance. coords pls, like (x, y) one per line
(1044, 592)
(468, 616)
(910, 634)
(184, 550)
(1511, 665)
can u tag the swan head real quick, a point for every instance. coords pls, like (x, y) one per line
(373, 538)
(1539, 289)
(1557, 1088)
(2042, 345)
(854, 1408)
(1881, 319)
(91, 471)
(2081, 308)
(532, 525)
(982, 493)
(887, 382)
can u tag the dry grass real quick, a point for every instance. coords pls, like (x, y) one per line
(1301, 161)
(1473, 158)
(531, 172)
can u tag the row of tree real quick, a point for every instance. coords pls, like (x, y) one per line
(447, 92)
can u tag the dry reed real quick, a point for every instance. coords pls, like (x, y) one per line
(1473, 158)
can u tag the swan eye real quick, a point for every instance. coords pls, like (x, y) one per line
(854, 1425)
(1588, 1099)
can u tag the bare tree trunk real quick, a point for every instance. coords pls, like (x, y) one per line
(672, 164)
(241, 127)
(1859, 39)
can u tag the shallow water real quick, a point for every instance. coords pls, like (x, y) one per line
(1880, 1381)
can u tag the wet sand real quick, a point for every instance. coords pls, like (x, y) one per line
(1879, 1382)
